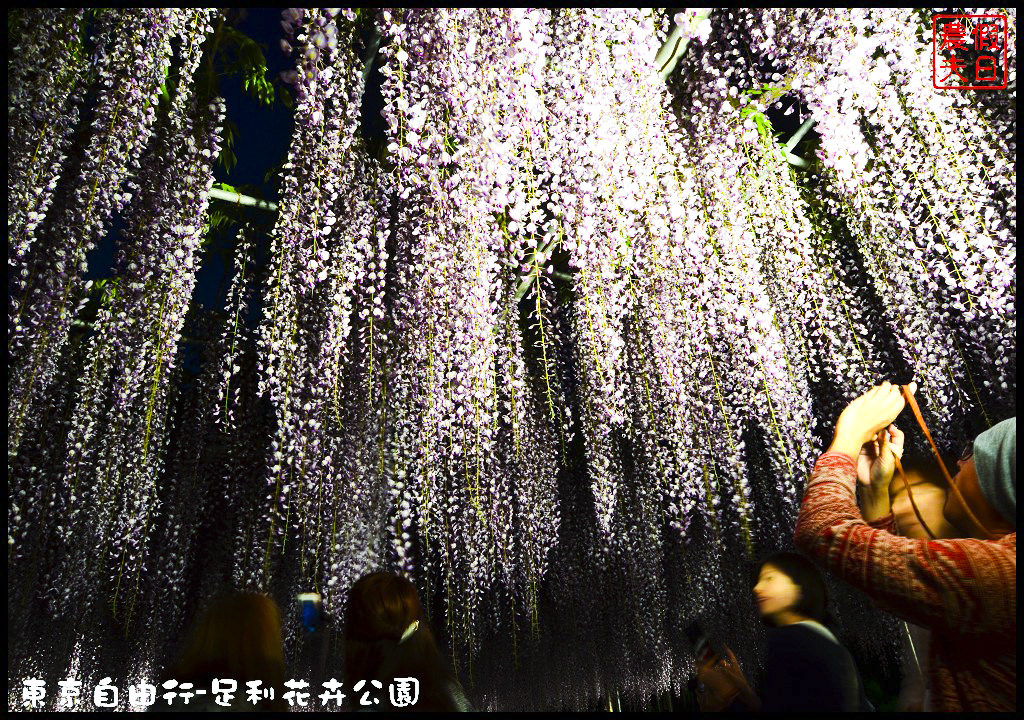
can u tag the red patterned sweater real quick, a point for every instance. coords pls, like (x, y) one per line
(964, 590)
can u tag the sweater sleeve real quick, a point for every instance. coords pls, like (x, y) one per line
(963, 583)
(887, 523)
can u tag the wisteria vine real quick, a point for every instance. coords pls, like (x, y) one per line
(563, 349)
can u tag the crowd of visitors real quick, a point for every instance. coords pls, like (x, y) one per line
(938, 553)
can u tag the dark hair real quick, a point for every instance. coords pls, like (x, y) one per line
(803, 573)
(237, 635)
(381, 606)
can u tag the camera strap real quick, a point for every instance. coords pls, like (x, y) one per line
(912, 402)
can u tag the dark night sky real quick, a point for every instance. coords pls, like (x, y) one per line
(262, 142)
(264, 133)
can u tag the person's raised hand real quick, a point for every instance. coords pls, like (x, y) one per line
(731, 665)
(730, 670)
(877, 461)
(861, 420)
(715, 688)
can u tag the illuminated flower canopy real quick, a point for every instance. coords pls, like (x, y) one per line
(564, 353)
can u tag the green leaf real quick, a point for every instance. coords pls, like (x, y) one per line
(245, 57)
(109, 291)
(286, 99)
(227, 158)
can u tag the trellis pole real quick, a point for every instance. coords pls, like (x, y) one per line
(238, 198)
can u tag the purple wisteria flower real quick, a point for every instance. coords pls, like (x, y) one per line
(562, 350)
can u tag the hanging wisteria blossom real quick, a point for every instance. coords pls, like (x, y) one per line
(561, 344)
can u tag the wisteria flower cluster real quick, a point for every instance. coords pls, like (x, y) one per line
(564, 357)
(134, 49)
(946, 204)
(115, 428)
(42, 113)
